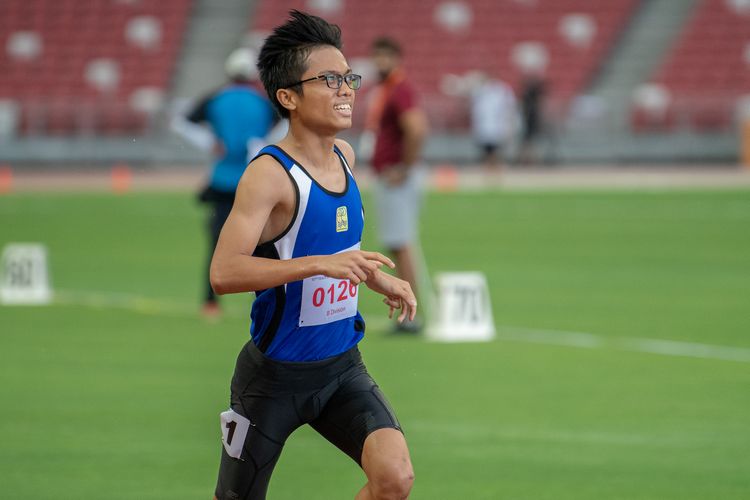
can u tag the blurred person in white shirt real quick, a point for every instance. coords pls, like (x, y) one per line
(493, 117)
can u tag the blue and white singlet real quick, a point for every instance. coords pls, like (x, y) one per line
(317, 317)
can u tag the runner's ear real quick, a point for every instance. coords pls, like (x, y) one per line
(287, 98)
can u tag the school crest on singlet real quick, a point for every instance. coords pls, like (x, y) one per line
(342, 219)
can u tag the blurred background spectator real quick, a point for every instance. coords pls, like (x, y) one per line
(532, 95)
(399, 127)
(239, 117)
(493, 118)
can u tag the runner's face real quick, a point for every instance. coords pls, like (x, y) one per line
(319, 104)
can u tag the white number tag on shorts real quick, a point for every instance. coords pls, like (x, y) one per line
(325, 300)
(234, 429)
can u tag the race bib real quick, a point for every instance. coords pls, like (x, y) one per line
(325, 300)
(234, 429)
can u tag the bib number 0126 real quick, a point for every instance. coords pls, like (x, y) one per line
(334, 293)
(325, 300)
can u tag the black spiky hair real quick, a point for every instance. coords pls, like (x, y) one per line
(283, 57)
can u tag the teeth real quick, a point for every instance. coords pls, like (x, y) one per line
(342, 107)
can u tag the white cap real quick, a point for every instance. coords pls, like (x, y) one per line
(241, 64)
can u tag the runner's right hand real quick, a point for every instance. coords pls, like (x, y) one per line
(356, 265)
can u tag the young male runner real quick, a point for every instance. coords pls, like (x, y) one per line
(293, 237)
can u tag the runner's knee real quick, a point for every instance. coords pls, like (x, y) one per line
(393, 481)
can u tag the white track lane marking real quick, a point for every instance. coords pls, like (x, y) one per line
(175, 307)
(635, 344)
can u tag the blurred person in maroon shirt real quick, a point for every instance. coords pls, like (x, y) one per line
(400, 128)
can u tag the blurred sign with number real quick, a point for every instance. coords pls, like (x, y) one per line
(24, 278)
(464, 310)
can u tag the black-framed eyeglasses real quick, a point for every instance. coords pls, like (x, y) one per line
(335, 81)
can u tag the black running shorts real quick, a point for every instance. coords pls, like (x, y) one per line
(335, 396)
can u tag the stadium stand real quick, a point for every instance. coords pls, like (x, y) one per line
(704, 74)
(567, 39)
(88, 66)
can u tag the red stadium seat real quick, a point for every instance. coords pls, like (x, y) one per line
(72, 34)
(432, 51)
(705, 70)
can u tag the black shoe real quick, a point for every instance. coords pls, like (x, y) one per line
(409, 327)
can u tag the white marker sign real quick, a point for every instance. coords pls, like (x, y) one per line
(464, 311)
(24, 279)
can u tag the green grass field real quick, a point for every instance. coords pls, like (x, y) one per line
(114, 391)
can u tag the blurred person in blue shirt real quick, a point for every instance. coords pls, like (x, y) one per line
(240, 119)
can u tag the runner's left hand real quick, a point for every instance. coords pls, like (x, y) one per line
(398, 295)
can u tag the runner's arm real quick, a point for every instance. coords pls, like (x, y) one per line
(234, 269)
